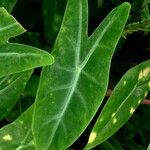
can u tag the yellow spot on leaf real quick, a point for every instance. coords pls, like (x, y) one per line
(124, 82)
(114, 120)
(21, 122)
(139, 101)
(149, 84)
(132, 110)
(101, 119)
(9, 81)
(145, 94)
(7, 137)
(113, 115)
(144, 73)
(92, 137)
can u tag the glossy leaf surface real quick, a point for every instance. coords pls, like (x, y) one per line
(126, 97)
(11, 88)
(71, 91)
(16, 58)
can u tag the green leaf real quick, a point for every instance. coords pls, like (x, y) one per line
(145, 12)
(148, 147)
(106, 146)
(71, 90)
(126, 97)
(16, 58)
(18, 135)
(11, 88)
(9, 27)
(52, 14)
(8, 4)
(32, 86)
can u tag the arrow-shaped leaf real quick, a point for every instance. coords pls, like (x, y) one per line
(126, 97)
(71, 91)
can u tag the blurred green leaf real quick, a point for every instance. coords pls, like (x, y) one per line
(8, 4)
(145, 12)
(32, 86)
(148, 147)
(11, 88)
(137, 26)
(53, 12)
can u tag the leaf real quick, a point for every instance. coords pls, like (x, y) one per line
(11, 88)
(106, 146)
(148, 147)
(52, 14)
(32, 86)
(9, 27)
(145, 12)
(16, 58)
(126, 97)
(71, 90)
(18, 135)
(8, 4)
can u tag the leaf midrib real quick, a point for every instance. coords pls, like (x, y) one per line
(75, 77)
(8, 27)
(18, 54)
(78, 67)
(116, 112)
(132, 91)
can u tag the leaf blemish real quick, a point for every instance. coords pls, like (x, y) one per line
(132, 110)
(144, 73)
(9, 81)
(21, 122)
(145, 94)
(92, 137)
(113, 114)
(124, 82)
(139, 101)
(149, 84)
(7, 137)
(114, 120)
(101, 119)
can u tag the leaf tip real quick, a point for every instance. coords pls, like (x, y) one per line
(126, 5)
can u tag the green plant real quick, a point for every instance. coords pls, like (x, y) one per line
(71, 90)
